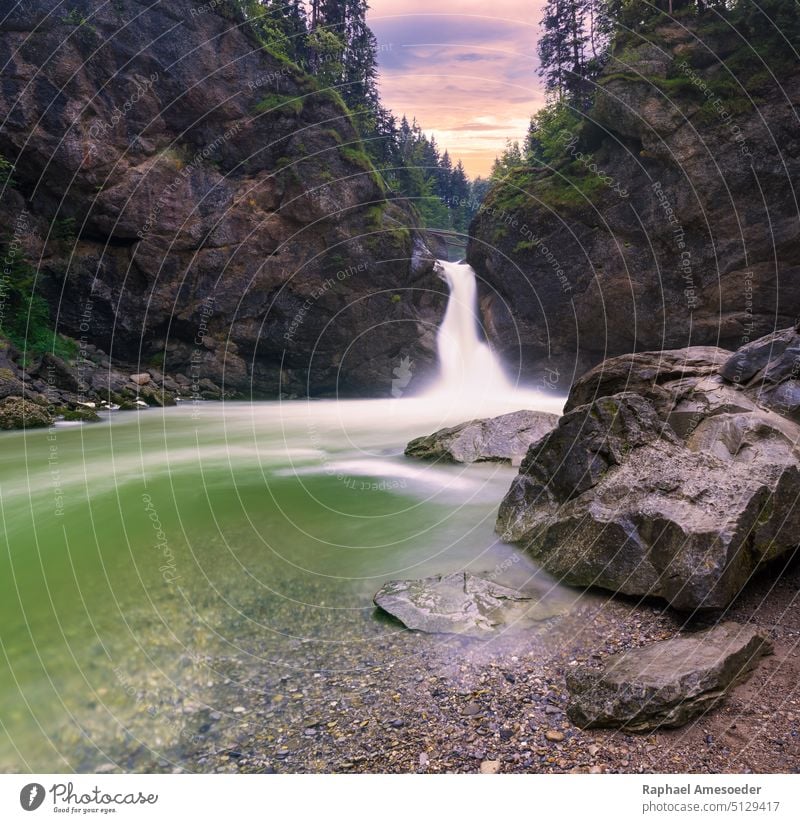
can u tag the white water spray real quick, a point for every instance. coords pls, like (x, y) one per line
(471, 381)
(469, 368)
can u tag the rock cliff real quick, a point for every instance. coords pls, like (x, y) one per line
(192, 202)
(670, 219)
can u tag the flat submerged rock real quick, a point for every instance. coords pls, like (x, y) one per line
(460, 603)
(665, 684)
(503, 439)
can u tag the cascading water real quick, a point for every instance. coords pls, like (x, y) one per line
(471, 380)
(469, 368)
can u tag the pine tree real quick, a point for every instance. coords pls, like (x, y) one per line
(568, 26)
(553, 48)
(445, 174)
(289, 18)
(459, 198)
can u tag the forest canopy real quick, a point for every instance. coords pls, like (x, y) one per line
(330, 40)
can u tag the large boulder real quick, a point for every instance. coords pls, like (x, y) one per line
(681, 492)
(503, 439)
(768, 370)
(18, 413)
(460, 603)
(59, 375)
(665, 684)
(11, 384)
(654, 374)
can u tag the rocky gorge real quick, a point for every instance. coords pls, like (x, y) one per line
(190, 202)
(611, 588)
(665, 219)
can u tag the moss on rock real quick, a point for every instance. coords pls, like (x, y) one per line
(18, 413)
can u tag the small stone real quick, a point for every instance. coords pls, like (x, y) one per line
(554, 736)
(239, 710)
(490, 767)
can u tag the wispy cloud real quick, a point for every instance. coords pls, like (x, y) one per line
(467, 76)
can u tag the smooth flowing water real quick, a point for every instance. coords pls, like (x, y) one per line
(149, 561)
(470, 372)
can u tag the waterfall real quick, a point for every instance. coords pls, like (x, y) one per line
(469, 370)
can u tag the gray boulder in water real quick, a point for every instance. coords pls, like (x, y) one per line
(680, 490)
(501, 439)
(460, 603)
(665, 684)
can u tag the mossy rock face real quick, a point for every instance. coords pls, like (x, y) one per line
(156, 397)
(640, 191)
(81, 415)
(279, 103)
(10, 384)
(270, 152)
(17, 413)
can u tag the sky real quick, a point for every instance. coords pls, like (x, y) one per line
(466, 69)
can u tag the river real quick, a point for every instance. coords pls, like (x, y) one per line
(157, 564)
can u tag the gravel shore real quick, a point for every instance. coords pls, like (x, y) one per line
(404, 702)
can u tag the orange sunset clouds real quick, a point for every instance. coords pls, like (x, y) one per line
(465, 69)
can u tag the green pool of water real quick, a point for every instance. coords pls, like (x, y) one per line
(139, 555)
